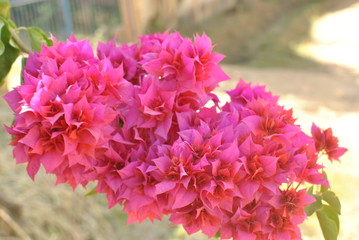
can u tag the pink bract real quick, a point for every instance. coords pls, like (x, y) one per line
(133, 119)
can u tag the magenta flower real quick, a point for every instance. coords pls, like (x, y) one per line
(133, 119)
(61, 115)
(156, 106)
(326, 142)
(124, 55)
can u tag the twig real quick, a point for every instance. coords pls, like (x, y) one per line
(23, 48)
(13, 225)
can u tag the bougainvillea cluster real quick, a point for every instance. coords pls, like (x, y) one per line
(134, 119)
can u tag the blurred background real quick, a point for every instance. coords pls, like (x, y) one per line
(306, 51)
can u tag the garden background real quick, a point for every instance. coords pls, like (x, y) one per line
(306, 51)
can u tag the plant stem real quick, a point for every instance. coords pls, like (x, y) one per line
(301, 181)
(23, 48)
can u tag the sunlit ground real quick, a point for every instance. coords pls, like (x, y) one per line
(335, 39)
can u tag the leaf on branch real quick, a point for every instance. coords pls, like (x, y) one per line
(2, 46)
(314, 206)
(332, 200)
(8, 53)
(23, 64)
(92, 192)
(5, 9)
(329, 222)
(37, 38)
(310, 190)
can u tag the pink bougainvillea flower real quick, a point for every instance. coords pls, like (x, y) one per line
(153, 107)
(196, 217)
(325, 141)
(245, 93)
(207, 69)
(61, 115)
(133, 119)
(122, 55)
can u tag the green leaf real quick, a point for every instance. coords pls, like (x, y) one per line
(9, 53)
(314, 206)
(23, 64)
(37, 38)
(2, 46)
(329, 222)
(9, 24)
(5, 9)
(310, 190)
(92, 192)
(323, 189)
(332, 200)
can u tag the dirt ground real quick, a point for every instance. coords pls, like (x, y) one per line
(328, 96)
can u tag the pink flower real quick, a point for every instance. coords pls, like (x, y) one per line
(292, 203)
(182, 65)
(196, 217)
(206, 62)
(61, 119)
(133, 119)
(326, 142)
(282, 227)
(244, 93)
(123, 55)
(154, 108)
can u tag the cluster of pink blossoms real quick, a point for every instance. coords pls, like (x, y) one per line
(133, 118)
